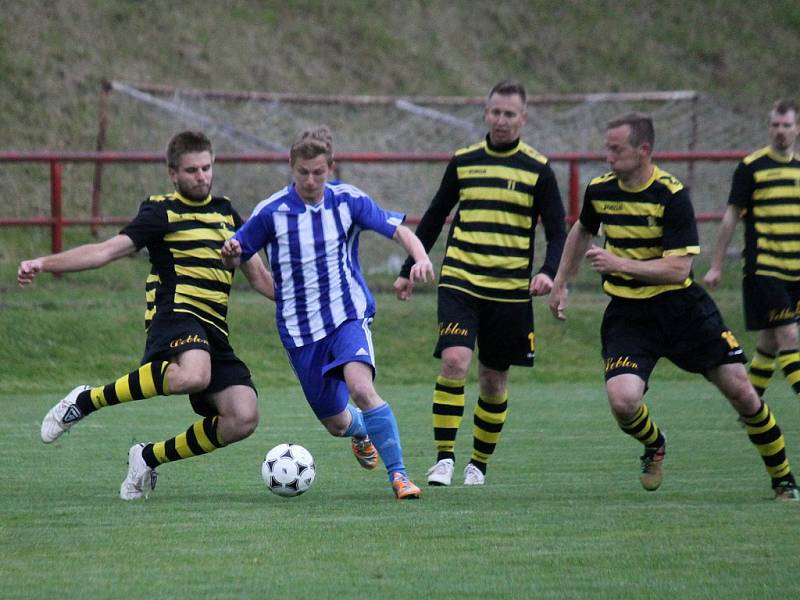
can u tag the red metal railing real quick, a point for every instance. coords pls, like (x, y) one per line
(57, 221)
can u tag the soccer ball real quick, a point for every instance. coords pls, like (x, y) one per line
(288, 470)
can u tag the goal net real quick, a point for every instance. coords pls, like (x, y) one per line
(143, 117)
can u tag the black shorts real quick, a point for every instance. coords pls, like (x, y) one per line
(172, 334)
(684, 326)
(503, 330)
(769, 302)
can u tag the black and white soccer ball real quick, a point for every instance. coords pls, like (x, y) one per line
(288, 470)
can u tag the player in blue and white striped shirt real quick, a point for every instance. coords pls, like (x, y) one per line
(309, 231)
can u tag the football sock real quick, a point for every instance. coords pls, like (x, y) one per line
(448, 409)
(789, 362)
(643, 428)
(761, 369)
(763, 431)
(382, 429)
(145, 382)
(200, 438)
(490, 415)
(357, 429)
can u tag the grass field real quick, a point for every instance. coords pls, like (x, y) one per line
(562, 514)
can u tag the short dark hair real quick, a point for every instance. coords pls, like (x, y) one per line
(509, 87)
(312, 142)
(184, 143)
(641, 125)
(784, 105)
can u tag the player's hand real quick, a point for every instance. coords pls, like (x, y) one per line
(712, 278)
(231, 253)
(558, 302)
(601, 260)
(421, 271)
(231, 248)
(403, 288)
(28, 270)
(540, 285)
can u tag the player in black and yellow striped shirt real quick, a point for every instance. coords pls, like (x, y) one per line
(502, 188)
(187, 349)
(656, 309)
(765, 195)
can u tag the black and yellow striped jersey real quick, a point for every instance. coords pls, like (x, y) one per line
(501, 193)
(184, 239)
(766, 189)
(646, 223)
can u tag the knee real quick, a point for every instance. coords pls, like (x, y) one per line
(623, 406)
(363, 393)
(786, 338)
(248, 423)
(335, 429)
(241, 425)
(492, 383)
(337, 425)
(187, 381)
(454, 365)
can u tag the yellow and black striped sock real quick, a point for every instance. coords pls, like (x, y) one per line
(643, 428)
(760, 370)
(145, 382)
(448, 409)
(490, 415)
(200, 438)
(763, 431)
(789, 362)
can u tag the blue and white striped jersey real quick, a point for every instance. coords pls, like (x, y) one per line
(313, 254)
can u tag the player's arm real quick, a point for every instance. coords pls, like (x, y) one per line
(551, 210)
(668, 269)
(578, 241)
(724, 234)
(422, 268)
(80, 258)
(430, 226)
(259, 276)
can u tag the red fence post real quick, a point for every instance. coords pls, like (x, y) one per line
(56, 212)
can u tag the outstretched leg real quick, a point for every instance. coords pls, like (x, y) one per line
(761, 426)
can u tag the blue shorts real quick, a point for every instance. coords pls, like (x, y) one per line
(319, 366)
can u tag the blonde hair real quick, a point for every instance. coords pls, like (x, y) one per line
(312, 142)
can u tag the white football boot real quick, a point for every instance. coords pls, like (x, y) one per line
(473, 475)
(441, 473)
(141, 478)
(62, 416)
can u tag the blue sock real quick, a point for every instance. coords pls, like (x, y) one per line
(357, 429)
(382, 429)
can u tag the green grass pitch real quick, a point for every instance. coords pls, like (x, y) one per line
(562, 514)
